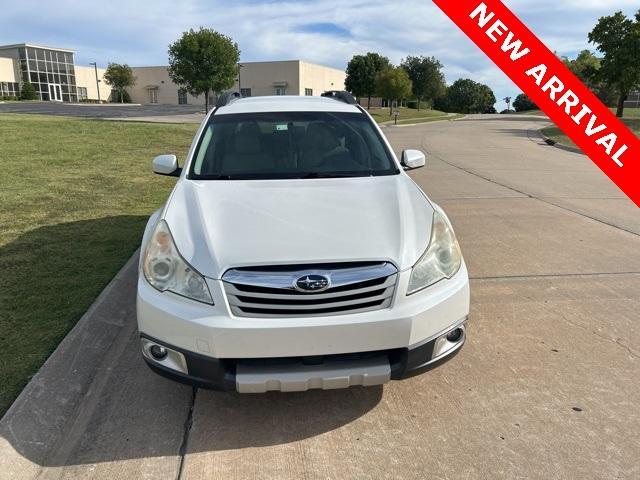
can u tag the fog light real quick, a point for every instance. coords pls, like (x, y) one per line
(454, 335)
(158, 352)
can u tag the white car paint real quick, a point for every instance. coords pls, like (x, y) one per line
(244, 223)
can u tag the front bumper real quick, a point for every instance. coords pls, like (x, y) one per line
(214, 331)
(304, 373)
(208, 346)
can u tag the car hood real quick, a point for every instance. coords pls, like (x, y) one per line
(219, 225)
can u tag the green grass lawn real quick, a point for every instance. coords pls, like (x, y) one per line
(630, 112)
(381, 115)
(74, 198)
(554, 133)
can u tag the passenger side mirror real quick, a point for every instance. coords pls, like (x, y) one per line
(413, 159)
(166, 165)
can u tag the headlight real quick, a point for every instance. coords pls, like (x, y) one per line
(165, 269)
(442, 258)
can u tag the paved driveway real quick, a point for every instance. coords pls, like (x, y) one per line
(546, 387)
(163, 113)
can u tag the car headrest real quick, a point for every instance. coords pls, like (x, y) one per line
(320, 137)
(248, 139)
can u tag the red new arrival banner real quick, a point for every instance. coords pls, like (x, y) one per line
(552, 86)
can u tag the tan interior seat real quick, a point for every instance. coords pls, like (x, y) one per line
(247, 153)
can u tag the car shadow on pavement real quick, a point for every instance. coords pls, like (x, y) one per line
(229, 421)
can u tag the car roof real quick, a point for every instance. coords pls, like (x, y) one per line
(286, 103)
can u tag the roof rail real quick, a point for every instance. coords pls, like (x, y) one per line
(341, 96)
(227, 98)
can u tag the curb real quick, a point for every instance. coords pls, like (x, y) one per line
(561, 146)
(391, 124)
(90, 104)
(443, 117)
(386, 125)
(52, 405)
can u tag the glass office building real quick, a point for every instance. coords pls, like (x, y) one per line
(50, 71)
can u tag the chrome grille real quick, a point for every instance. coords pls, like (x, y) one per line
(271, 292)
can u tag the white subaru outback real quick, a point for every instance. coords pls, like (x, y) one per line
(295, 253)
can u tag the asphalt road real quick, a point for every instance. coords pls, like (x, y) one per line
(161, 113)
(546, 387)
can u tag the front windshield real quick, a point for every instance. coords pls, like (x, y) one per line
(279, 145)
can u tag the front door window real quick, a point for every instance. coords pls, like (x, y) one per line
(153, 96)
(55, 92)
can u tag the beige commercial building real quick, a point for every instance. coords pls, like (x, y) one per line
(56, 77)
(292, 77)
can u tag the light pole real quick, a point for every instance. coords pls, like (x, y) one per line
(240, 78)
(508, 101)
(95, 66)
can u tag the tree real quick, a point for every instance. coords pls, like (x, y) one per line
(507, 100)
(362, 71)
(586, 66)
(467, 96)
(28, 92)
(119, 77)
(426, 76)
(204, 61)
(462, 96)
(393, 84)
(522, 103)
(121, 96)
(618, 38)
(485, 98)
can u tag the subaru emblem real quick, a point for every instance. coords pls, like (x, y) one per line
(312, 283)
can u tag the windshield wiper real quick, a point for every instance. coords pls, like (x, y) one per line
(329, 175)
(219, 177)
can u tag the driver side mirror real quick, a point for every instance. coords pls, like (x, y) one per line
(413, 159)
(166, 165)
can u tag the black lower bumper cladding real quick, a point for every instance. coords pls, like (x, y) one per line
(220, 374)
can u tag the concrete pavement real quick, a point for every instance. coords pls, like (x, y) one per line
(546, 387)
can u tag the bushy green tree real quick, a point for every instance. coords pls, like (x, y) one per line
(462, 96)
(485, 98)
(362, 71)
(393, 83)
(426, 77)
(28, 92)
(523, 103)
(204, 61)
(586, 66)
(618, 38)
(467, 96)
(119, 77)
